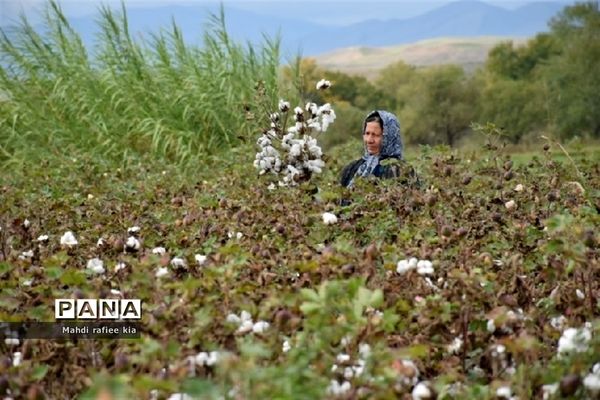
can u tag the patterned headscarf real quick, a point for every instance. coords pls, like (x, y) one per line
(391, 145)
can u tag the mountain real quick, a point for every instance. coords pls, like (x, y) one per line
(456, 19)
(466, 18)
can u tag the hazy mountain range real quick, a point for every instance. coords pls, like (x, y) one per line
(456, 19)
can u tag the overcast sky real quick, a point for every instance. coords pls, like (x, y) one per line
(352, 11)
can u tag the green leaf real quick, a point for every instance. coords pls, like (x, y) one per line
(39, 372)
(73, 277)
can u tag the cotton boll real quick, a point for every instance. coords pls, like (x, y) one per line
(43, 238)
(178, 262)
(17, 358)
(455, 346)
(403, 267)
(234, 319)
(159, 250)
(200, 259)
(342, 358)
(421, 391)
(161, 272)
(245, 326)
(284, 106)
(132, 244)
(96, 265)
(329, 218)
(323, 84)
(286, 346)
(504, 392)
(558, 323)
(549, 390)
(11, 342)
(574, 340)
(260, 327)
(425, 267)
(133, 230)
(68, 239)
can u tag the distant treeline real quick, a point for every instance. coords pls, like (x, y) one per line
(550, 85)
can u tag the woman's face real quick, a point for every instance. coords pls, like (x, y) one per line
(373, 137)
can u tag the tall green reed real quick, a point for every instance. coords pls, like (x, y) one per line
(157, 99)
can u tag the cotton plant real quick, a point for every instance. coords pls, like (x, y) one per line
(289, 148)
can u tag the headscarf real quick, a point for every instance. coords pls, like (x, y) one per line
(391, 144)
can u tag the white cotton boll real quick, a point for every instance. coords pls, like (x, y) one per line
(504, 392)
(315, 125)
(162, 271)
(284, 106)
(342, 358)
(132, 244)
(298, 111)
(96, 265)
(271, 186)
(26, 255)
(425, 267)
(292, 130)
(274, 117)
(358, 369)
(200, 259)
(27, 282)
(421, 392)
(327, 119)
(413, 262)
(549, 390)
(403, 267)
(100, 242)
(491, 326)
(17, 358)
(348, 372)
(159, 250)
(119, 266)
(296, 150)
(178, 262)
(510, 205)
(323, 84)
(234, 319)
(180, 396)
(43, 238)
(245, 326)
(455, 346)
(68, 239)
(26, 223)
(260, 327)
(329, 218)
(312, 108)
(592, 383)
(133, 230)
(11, 341)
(580, 294)
(286, 346)
(334, 367)
(574, 340)
(519, 188)
(364, 349)
(335, 389)
(115, 292)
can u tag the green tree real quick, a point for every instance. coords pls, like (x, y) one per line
(573, 78)
(440, 105)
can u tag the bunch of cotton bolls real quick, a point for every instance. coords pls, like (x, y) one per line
(289, 147)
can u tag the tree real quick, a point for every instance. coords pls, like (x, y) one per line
(440, 105)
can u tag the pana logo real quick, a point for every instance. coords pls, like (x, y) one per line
(97, 309)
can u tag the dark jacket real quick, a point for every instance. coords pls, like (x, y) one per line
(386, 169)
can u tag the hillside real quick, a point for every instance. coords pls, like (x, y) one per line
(367, 61)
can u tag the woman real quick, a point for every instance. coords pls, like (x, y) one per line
(382, 141)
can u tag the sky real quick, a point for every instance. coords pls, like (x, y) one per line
(328, 12)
